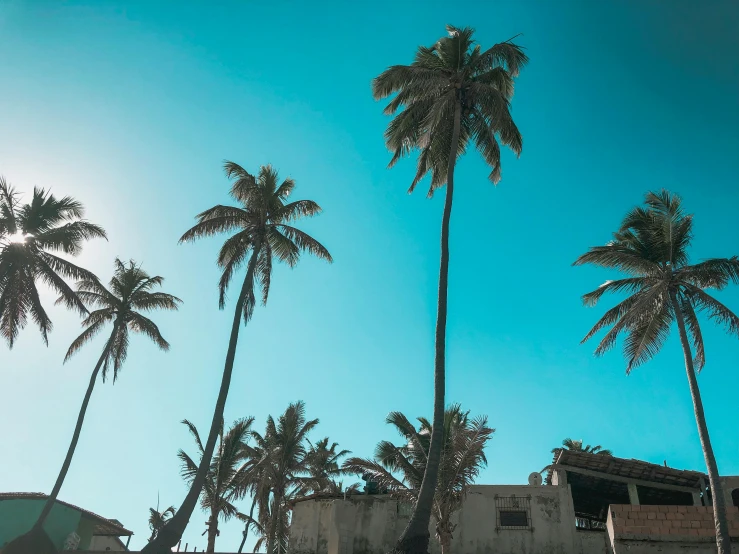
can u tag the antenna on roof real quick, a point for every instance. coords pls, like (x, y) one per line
(665, 463)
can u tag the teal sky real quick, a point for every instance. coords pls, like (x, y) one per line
(132, 108)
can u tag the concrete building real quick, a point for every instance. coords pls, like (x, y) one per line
(82, 529)
(589, 504)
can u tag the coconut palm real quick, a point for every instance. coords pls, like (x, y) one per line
(121, 304)
(577, 446)
(651, 248)
(282, 468)
(30, 236)
(401, 469)
(157, 519)
(263, 234)
(325, 471)
(452, 94)
(225, 475)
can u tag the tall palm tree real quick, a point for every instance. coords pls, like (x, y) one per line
(122, 303)
(225, 475)
(283, 467)
(452, 93)
(263, 232)
(577, 446)
(30, 237)
(651, 247)
(157, 519)
(462, 457)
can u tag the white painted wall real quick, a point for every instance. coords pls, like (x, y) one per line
(372, 524)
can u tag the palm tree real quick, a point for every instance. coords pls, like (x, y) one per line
(30, 235)
(651, 247)
(157, 519)
(129, 294)
(262, 233)
(325, 471)
(225, 475)
(577, 446)
(451, 94)
(282, 468)
(462, 457)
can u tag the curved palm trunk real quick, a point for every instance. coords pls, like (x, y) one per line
(75, 436)
(723, 542)
(248, 523)
(172, 532)
(212, 530)
(415, 538)
(37, 528)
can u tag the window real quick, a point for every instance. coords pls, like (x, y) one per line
(735, 497)
(513, 512)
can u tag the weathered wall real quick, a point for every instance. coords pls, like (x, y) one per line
(106, 544)
(17, 516)
(592, 542)
(372, 524)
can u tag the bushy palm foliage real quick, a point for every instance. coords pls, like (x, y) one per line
(31, 236)
(452, 94)
(157, 519)
(651, 247)
(577, 446)
(281, 471)
(228, 468)
(325, 471)
(129, 294)
(263, 232)
(400, 469)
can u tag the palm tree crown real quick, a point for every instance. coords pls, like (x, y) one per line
(30, 236)
(463, 456)
(225, 477)
(158, 519)
(262, 226)
(129, 294)
(651, 247)
(452, 71)
(577, 446)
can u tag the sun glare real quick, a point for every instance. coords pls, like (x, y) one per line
(17, 238)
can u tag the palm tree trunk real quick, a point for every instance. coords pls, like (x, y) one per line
(172, 532)
(248, 523)
(415, 538)
(75, 436)
(445, 541)
(212, 530)
(723, 541)
(273, 524)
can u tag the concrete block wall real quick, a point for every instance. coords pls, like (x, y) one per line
(654, 522)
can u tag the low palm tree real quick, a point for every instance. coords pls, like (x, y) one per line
(651, 247)
(225, 476)
(283, 468)
(121, 304)
(400, 469)
(577, 446)
(453, 94)
(31, 235)
(157, 519)
(324, 470)
(263, 234)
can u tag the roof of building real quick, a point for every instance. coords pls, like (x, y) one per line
(598, 480)
(103, 525)
(636, 470)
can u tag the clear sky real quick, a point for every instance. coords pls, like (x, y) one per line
(132, 108)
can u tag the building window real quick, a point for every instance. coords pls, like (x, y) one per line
(735, 497)
(512, 512)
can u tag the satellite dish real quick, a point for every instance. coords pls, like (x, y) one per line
(535, 479)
